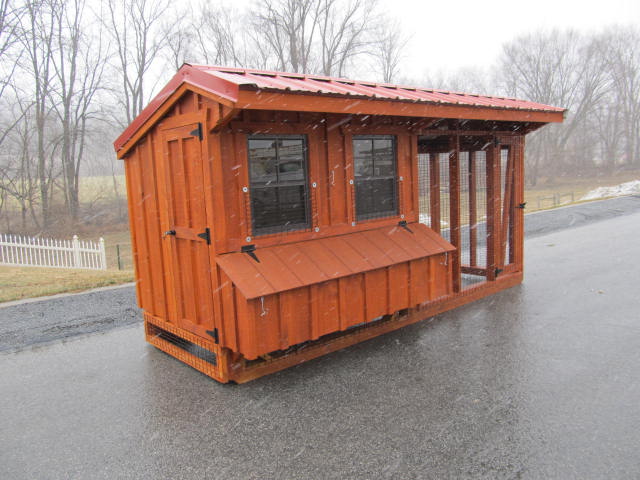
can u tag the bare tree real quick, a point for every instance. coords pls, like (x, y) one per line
(555, 68)
(388, 49)
(622, 60)
(36, 36)
(138, 39)
(18, 179)
(343, 27)
(78, 64)
(218, 35)
(288, 27)
(180, 38)
(9, 14)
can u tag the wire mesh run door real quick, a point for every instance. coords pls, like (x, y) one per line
(481, 212)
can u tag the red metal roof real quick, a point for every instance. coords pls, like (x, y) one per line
(320, 85)
(226, 83)
(295, 265)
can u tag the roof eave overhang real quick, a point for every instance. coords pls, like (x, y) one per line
(251, 98)
(248, 96)
(186, 79)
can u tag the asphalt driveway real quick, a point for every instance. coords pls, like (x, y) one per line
(540, 381)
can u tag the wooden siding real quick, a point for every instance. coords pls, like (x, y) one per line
(272, 322)
(330, 169)
(285, 267)
(179, 273)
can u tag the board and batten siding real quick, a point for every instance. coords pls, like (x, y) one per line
(258, 326)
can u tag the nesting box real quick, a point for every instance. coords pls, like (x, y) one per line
(276, 217)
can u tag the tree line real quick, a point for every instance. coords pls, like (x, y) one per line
(74, 73)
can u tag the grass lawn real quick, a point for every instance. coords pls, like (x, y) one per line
(123, 239)
(26, 282)
(578, 186)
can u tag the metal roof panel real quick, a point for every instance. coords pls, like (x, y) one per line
(225, 82)
(286, 267)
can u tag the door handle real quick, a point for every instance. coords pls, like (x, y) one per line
(168, 232)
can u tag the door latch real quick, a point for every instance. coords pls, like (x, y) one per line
(168, 232)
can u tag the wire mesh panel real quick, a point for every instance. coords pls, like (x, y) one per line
(473, 205)
(465, 239)
(435, 199)
(506, 199)
(424, 188)
(479, 228)
(445, 191)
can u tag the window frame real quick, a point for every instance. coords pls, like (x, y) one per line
(356, 181)
(294, 227)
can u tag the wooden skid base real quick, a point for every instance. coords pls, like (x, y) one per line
(231, 367)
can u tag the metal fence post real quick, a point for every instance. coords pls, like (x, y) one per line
(118, 255)
(103, 254)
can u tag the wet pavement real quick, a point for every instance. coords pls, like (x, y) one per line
(49, 319)
(540, 381)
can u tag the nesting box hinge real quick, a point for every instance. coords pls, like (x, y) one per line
(403, 224)
(197, 132)
(213, 334)
(522, 205)
(206, 235)
(250, 250)
(497, 272)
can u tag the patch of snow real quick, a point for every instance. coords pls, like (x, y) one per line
(628, 188)
(426, 219)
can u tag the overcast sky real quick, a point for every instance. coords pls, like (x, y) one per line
(447, 34)
(460, 33)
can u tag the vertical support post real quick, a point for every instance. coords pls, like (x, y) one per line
(76, 252)
(493, 209)
(517, 246)
(454, 205)
(103, 254)
(434, 191)
(349, 171)
(473, 211)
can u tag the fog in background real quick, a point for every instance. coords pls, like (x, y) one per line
(74, 73)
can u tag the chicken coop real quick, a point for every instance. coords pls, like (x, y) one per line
(277, 217)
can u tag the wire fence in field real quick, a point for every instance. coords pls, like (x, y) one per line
(17, 250)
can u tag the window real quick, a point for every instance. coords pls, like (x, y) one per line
(375, 169)
(278, 178)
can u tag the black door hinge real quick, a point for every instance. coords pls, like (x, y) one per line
(214, 334)
(197, 132)
(206, 235)
(496, 142)
(250, 250)
(403, 224)
(522, 205)
(497, 272)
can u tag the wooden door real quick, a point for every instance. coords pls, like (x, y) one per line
(186, 231)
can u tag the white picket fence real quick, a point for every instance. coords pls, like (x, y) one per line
(49, 252)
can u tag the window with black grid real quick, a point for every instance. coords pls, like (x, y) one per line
(374, 159)
(279, 184)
